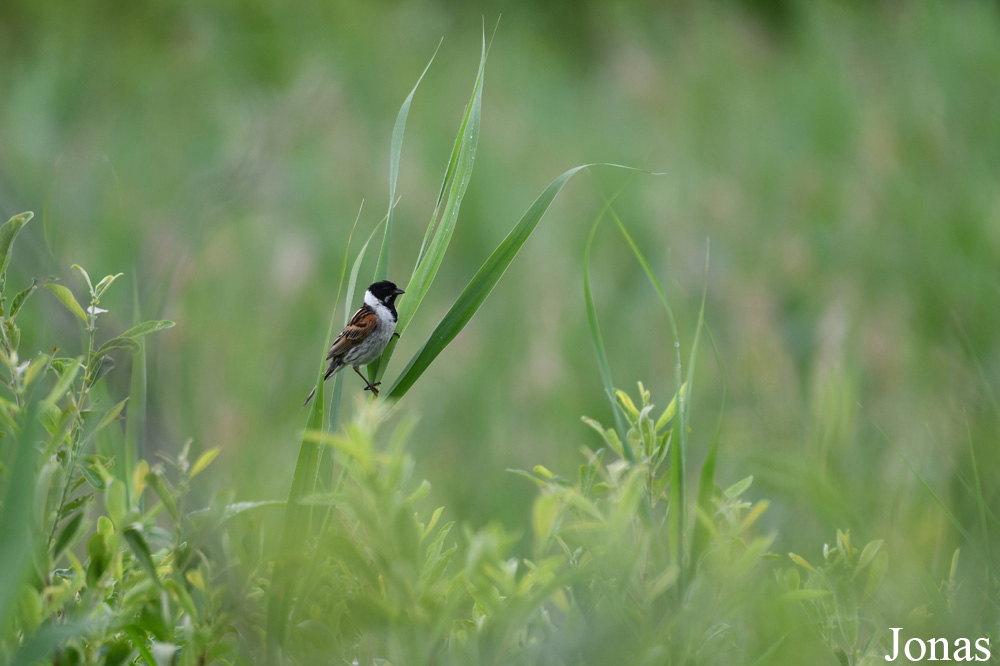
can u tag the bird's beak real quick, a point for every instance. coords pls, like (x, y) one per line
(399, 291)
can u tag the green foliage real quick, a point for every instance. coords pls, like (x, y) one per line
(92, 574)
(835, 594)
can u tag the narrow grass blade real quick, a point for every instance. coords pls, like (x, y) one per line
(595, 335)
(701, 537)
(395, 150)
(952, 518)
(18, 543)
(439, 231)
(980, 500)
(475, 293)
(677, 518)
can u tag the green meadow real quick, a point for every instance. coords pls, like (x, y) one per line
(698, 363)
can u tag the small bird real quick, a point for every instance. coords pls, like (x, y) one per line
(366, 335)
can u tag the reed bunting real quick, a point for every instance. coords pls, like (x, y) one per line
(366, 335)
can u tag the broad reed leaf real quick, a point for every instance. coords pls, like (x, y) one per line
(445, 216)
(482, 283)
(395, 150)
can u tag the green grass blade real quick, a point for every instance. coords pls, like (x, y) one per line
(395, 150)
(952, 518)
(706, 484)
(482, 283)
(595, 335)
(677, 518)
(981, 502)
(18, 543)
(436, 240)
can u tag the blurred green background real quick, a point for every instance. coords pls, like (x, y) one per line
(842, 160)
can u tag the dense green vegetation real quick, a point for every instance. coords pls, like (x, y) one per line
(824, 475)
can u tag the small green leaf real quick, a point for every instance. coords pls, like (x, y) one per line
(528, 475)
(609, 436)
(95, 475)
(114, 344)
(435, 517)
(38, 365)
(868, 554)
(421, 492)
(86, 276)
(738, 488)
(204, 460)
(103, 285)
(627, 405)
(671, 410)
(100, 557)
(140, 548)
(22, 296)
(68, 534)
(105, 526)
(103, 366)
(8, 232)
(876, 572)
(110, 416)
(543, 471)
(74, 504)
(66, 297)
(543, 517)
(801, 561)
(147, 327)
(67, 375)
(139, 641)
(114, 500)
(158, 483)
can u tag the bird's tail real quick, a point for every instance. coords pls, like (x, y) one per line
(335, 365)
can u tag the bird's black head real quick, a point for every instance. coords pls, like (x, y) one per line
(386, 292)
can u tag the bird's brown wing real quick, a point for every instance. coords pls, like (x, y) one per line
(361, 324)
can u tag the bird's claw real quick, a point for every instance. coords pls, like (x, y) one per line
(373, 387)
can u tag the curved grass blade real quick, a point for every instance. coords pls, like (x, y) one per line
(595, 334)
(677, 518)
(438, 236)
(395, 150)
(701, 537)
(482, 283)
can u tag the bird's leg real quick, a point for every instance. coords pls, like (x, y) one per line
(368, 385)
